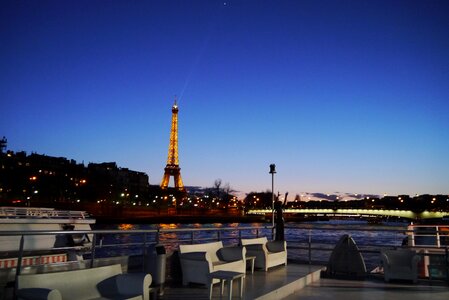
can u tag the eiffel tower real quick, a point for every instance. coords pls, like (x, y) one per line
(172, 168)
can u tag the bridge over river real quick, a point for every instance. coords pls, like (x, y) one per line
(348, 212)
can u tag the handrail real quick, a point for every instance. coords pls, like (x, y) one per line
(40, 212)
(118, 231)
(153, 236)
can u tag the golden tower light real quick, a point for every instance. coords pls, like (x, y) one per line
(172, 168)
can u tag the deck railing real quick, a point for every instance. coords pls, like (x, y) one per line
(305, 242)
(40, 212)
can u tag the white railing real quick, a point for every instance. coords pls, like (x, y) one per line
(303, 241)
(39, 212)
(420, 236)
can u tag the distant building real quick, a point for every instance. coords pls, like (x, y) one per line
(39, 179)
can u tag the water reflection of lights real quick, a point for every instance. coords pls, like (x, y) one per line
(168, 226)
(126, 226)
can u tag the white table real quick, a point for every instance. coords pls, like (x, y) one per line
(228, 276)
(251, 259)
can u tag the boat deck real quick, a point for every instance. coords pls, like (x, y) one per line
(304, 282)
(296, 281)
(371, 289)
(277, 283)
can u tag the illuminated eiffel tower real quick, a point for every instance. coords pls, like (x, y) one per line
(172, 168)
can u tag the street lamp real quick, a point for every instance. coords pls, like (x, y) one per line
(272, 172)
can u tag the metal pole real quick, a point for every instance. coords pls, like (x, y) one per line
(272, 171)
(272, 198)
(310, 246)
(94, 241)
(19, 266)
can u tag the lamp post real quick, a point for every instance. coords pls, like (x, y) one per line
(272, 172)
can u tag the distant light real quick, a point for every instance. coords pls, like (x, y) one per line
(78, 200)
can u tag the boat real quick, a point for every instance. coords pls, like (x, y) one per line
(38, 249)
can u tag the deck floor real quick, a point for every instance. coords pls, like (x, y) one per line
(277, 282)
(371, 289)
(303, 282)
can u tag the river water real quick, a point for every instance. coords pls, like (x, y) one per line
(322, 234)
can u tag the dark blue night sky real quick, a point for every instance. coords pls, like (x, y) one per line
(348, 96)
